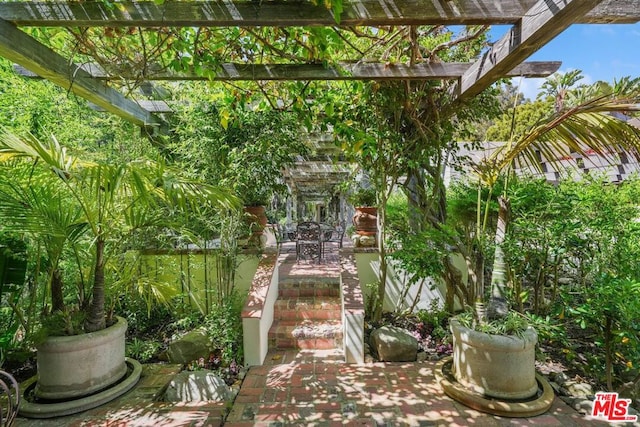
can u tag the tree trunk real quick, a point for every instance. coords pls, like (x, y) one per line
(57, 298)
(96, 320)
(413, 191)
(429, 210)
(608, 352)
(498, 301)
(455, 286)
(478, 285)
(382, 251)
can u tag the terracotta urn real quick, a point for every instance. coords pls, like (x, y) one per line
(365, 220)
(257, 218)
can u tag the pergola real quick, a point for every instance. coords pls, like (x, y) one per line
(533, 24)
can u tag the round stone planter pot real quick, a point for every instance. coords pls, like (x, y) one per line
(495, 365)
(75, 366)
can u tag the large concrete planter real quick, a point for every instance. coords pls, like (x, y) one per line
(75, 366)
(495, 365)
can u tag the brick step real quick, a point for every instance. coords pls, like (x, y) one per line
(311, 308)
(305, 334)
(308, 289)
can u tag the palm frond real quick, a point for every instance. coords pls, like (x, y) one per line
(29, 147)
(589, 128)
(31, 203)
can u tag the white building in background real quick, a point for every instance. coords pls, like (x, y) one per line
(575, 166)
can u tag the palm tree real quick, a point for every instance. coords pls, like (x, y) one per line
(589, 126)
(558, 86)
(100, 200)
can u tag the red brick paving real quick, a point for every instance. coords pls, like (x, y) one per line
(314, 392)
(137, 408)
(311, 388)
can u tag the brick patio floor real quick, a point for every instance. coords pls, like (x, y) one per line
(313, 389)
(310, 388)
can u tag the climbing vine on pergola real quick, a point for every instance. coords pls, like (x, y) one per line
(95, 47)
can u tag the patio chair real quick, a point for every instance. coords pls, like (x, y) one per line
(8, 404)
(308, 241)
(332, 234)
(338, 234)
(290, 231)
(326, 231)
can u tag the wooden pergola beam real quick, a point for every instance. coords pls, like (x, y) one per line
(290, 13)
(343, 71)
(539, 25)
(24, 50)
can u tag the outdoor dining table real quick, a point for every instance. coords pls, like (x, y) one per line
(326, 231)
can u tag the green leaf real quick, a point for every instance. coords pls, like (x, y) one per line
(224, 119)
(328, 109)
(336, 7)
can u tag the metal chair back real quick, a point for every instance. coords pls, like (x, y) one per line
(308, 240)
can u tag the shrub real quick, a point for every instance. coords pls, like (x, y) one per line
(142, 350)
(224, 328)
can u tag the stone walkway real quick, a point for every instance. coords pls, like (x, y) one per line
(310, 388)
(313, 389)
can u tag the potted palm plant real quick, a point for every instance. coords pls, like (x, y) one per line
(66, 202)
(494, 353)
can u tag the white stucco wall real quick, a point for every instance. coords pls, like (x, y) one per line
(397, 297)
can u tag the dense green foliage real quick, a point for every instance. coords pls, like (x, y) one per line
(609, 310)
(242, 149)
(526, 116)
(44, 109)
(63, 200)
(572, 253)
(68, 214)
(224, 327)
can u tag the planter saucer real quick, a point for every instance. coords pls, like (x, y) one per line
(31, 409)
(524, 408)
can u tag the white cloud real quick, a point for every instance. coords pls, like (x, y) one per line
(528, 87)
(586, 80)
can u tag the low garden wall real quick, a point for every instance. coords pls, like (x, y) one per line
(258, 311)
(197, 272)
(352, 307)
(399, 293)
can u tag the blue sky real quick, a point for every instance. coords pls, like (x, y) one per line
(602, 52)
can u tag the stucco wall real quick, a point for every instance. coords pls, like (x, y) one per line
(195, 273)
(397, 296)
